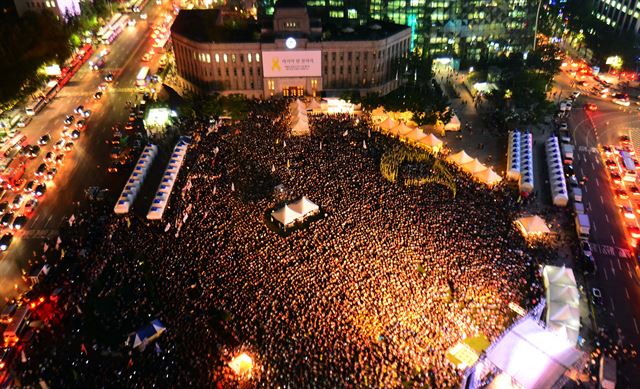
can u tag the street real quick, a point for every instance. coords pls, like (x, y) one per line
(86, 164)
(615, 275)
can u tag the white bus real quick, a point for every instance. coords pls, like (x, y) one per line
(141, 78)
(36, 105)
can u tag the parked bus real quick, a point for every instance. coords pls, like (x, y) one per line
(17, 325)
(114, 30)
(52, 91)
(97, 62)
(36, 106)
(141, 78)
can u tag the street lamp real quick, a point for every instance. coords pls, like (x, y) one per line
(535, 28)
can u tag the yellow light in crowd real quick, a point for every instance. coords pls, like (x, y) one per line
(242, 365)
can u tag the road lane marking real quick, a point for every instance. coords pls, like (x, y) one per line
(613, 270)
(597, 182)
(612, 240)
(613, 307)
(626, 291)
(619, 264)
(601, 200)
(604, 270)
(635, 324)
(606, 217)
(585, 189)
(35, 219)
(48, 221)
(593, 167)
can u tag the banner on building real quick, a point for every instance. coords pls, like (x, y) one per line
(292, 63)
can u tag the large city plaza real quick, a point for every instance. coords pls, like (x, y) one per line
(373, 293)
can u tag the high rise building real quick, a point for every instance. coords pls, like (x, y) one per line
(465, 30)
(623, 15)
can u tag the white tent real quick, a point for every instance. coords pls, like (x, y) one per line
(432, 142)
(564, 294)
(473, 167)
(453, 125)
(563, 313)
(459, 158)
(533, 356)
(558, 275)
(532, 225)
(415, 135)
(401, 130)
(300, 128)
(314, 106)
(305, 207)
(388, 124)
(488, 177)
(565, 331)
(286, 216)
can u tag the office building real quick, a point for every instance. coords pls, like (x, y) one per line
(289, 54)
(623, 15)
(464, 30)
(61, 8)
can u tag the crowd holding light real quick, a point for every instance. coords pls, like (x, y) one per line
(372, 294)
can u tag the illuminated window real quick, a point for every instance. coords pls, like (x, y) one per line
(336, 14)
(208, 58)
(233, 58)
(224, 57)
(352, 13)
(217, 58)
(271, 84)
(257, 57)
(249, 57)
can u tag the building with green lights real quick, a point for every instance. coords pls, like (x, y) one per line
(464, 30)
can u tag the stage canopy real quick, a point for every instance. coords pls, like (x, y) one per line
(533, 356)
(286, 215)
(459, 158)
(304, 206)
(532, 225)
(563, 302)
(474, 166)
(388, 124)
(488, 177)
(453, 125)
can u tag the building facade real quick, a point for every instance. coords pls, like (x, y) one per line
(61, 8)
(623, 15)
(463, 29)
(292, 54)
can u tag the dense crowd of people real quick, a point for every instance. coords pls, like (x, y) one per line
(373, 293)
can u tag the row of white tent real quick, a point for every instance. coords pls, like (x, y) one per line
(415, 135)
(563, 302)
(559, 194)
(474, 167)
(299, 120)
(132, 187)
(520, 158)
(161, 199)
(297, 211)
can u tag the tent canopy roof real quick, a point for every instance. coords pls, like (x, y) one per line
(286, 215)
(533, 225)
(304, 206)
(459, 158)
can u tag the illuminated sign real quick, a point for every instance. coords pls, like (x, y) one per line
(290, 43)
(294, 63)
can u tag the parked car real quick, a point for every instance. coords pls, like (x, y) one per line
(50, 157)
(97, 95)
(17, 201)
(596, 296)
(79, 109)
(69, 120)
(51, 174)
(59, 144)
(30, 206)
(7, 219)
(586, 248)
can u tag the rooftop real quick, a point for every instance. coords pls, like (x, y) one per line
(208, 25)
(372, 31)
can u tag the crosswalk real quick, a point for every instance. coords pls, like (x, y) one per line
(45, 233)
(90, 94)
(585, 149)
(611, 251)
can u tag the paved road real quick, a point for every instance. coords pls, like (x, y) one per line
(615, 275)
(86, 164)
